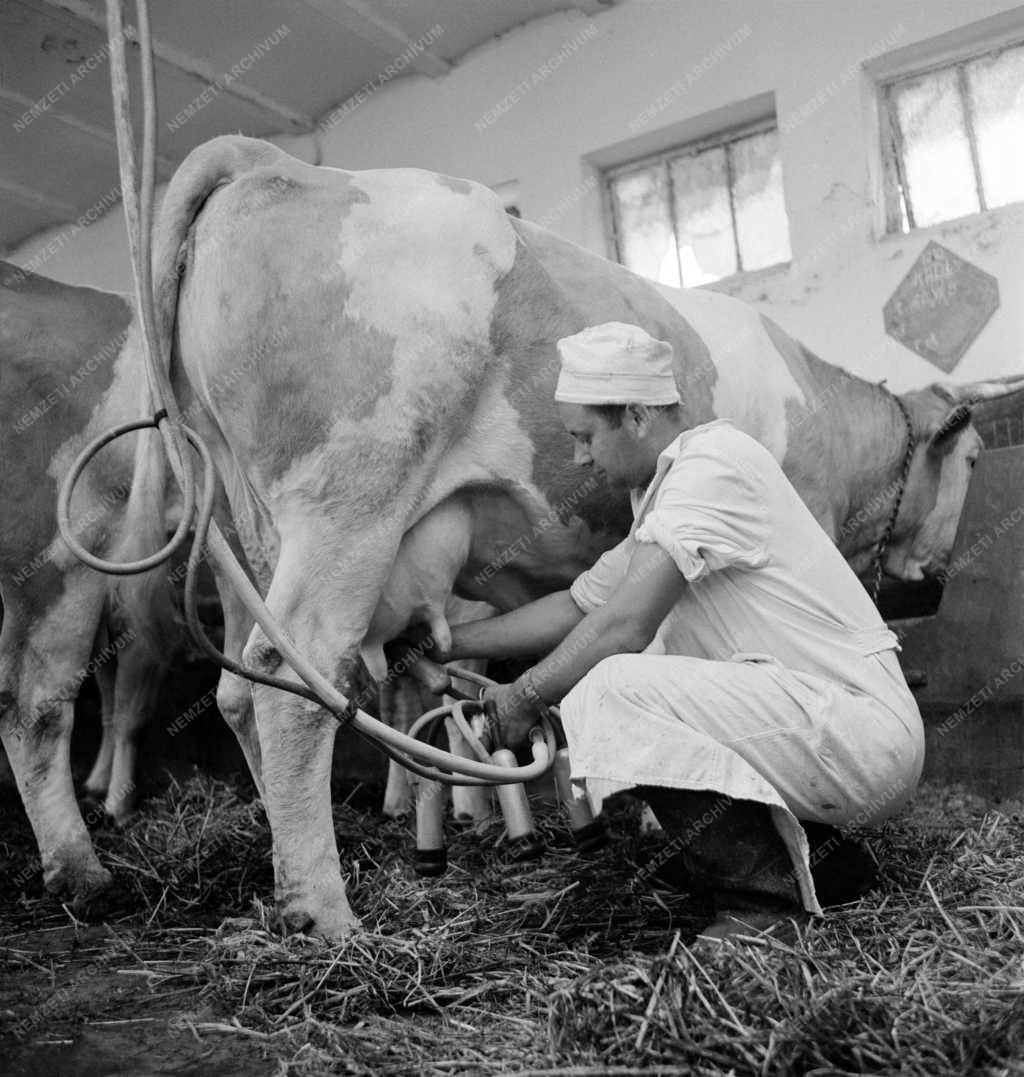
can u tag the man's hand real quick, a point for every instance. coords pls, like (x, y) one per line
(516, 714)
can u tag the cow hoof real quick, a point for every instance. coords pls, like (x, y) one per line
(91, 806)
(120, 813)
(92, 793)
(295, 922)
(332, 926)
(469, 819)
(398, 807)
(81, 884)
(338, 928)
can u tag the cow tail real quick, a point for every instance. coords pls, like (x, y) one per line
(146, 605)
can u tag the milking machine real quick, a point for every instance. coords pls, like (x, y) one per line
(474, 733)
(587, 830)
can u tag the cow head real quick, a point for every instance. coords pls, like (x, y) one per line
(946, 449)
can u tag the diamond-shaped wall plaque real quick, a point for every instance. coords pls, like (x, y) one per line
(941, 305)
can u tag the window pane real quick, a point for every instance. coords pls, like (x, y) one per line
(646, 244)
(761, 223)
(935, 149)
(706, 247)
(996, 85)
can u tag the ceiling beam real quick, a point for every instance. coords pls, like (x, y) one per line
(165, 165)
(32, 197)
(196, 69)
(358, 17)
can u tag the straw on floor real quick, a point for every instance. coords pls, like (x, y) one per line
(570, 964)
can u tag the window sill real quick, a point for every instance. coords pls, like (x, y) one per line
(997, 220)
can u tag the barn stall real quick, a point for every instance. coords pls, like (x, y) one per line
(720, 149)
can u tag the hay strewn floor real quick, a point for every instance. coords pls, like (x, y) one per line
(561, 965)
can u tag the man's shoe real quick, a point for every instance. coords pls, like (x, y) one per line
(842, 867)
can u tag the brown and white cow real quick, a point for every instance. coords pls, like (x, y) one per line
(64, 378)
(400, 441)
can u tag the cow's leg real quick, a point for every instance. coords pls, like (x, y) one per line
(138, 678)
(325, 609)
(400, 706)
(40, 673)
(235, 703)
(234, 694)
(296, 739)
(295, 744)
(98, 781)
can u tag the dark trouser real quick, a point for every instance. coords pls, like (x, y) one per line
(729, 848)
(740, 860)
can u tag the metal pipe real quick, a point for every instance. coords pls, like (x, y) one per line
(469, 803)
(588, 832)
(515, 807)
(431, 855)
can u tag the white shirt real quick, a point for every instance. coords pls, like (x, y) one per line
(816, 721)
(764, 578)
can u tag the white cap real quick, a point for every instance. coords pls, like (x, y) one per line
(615, 363)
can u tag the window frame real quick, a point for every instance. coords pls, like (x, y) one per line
(891, 137)
(688, 149)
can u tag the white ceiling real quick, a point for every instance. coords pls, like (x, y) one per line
(63, 161)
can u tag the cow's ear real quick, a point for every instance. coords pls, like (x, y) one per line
(952, 424)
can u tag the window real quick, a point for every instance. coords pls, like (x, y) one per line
(703, 211)
(952, 139)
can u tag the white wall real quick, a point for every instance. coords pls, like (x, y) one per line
(578, 114)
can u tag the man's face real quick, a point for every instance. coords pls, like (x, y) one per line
(616, 452)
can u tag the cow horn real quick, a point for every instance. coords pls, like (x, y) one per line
(975, 392)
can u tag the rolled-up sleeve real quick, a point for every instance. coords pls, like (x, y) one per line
(593, 588)
(708, 514)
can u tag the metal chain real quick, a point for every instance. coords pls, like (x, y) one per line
(890, 527)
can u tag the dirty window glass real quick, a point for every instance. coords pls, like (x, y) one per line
(996, 86)
(954, 140)
(646, 237)
(762, 228)
(700, 213)
(704, 229)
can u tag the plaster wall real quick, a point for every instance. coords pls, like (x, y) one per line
(547, 105)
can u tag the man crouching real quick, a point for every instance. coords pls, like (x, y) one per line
(723, 661)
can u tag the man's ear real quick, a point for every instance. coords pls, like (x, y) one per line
(638, 418)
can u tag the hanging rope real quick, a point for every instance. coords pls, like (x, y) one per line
(422, 758)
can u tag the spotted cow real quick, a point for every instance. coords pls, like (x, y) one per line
(66, 377)
(399, 442)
